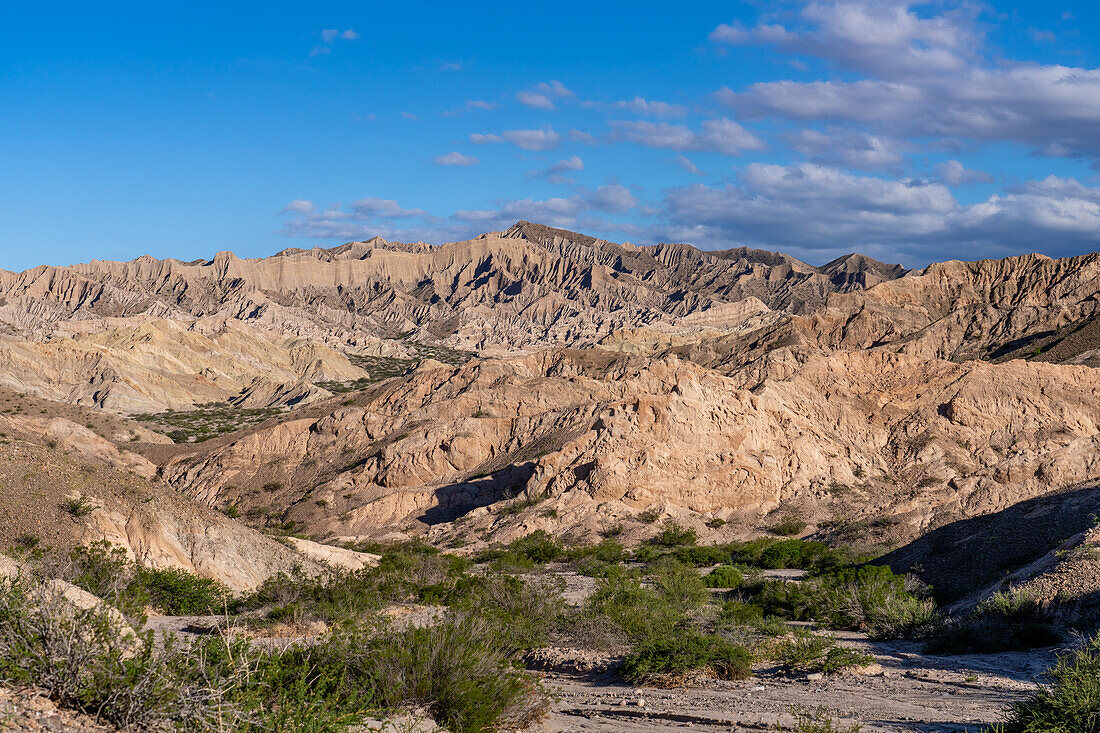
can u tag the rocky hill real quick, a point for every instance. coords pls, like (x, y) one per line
(539, 378)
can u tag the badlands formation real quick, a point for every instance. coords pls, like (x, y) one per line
(542, 379)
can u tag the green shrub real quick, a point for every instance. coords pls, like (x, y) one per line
(675, 535)
(725, 576)
(788, 526)
(1069, 704)
(459, 670)
(638, 610)
(178, 593)
(649, 516)
(685, 650)
(79, 506)
(807, 652)
(1004, 622)
(818, 721)
(680, 586)
(872, 598)
(104, 571)
(703, 555)
(525, 611)
(537, 548)
(739, 613)
(771, 626)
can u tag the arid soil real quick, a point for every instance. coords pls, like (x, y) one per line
(911, 692)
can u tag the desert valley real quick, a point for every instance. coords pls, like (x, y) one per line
(558, 367)
(651, 441)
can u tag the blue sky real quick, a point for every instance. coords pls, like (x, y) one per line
(911, 132)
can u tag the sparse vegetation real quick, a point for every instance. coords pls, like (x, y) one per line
(206, 421)
(675, 535)
(818, 721)
(79, 506)
(677, 653)
(1069, 704)
(1003, 622)
(806, 652)
(788, 526)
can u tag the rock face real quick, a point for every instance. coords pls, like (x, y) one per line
(739, 385)
(843, 438)
(41, 475)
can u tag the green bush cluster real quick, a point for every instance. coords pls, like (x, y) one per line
(804, 651)
(105, 571)
(869, 598)
(1069, 704)
(459, 670)
(1003, 622)
(687, 650)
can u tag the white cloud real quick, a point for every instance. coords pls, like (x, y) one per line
(811, 211)
(386, 218)
(455, 158)
(449, 66)
(720, 135)
(847, 148)
(554, 88)
(954, 173)
(585, 138)
(535, 99)
(298, 206)
(479, 104)
(644, 107)
(686, 163)
(373, 206)
(555, 171)
(882, 37)
(572, 163)
(543, 94)
(819, 212)
(329, 36)
(925, 76)
(541, 139)
(612, 198)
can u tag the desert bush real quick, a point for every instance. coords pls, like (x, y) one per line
(770, 626)
(1069, 704)
(874, 599)
(1003, 622)
(673, 534)
(869, 598)
(526, 612)
(179, 593)
(459, 670)
(724, 576)
(104, 571)
(818, 721)
(537, 548)
(685, 650)
(788, 526)
(638, 610)
(297, 598)
(702, 555)
(79, 506)
(680, 586)
(87, 660)
(606, 551)
(739, 613)
(804, 651)
(649, 516)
